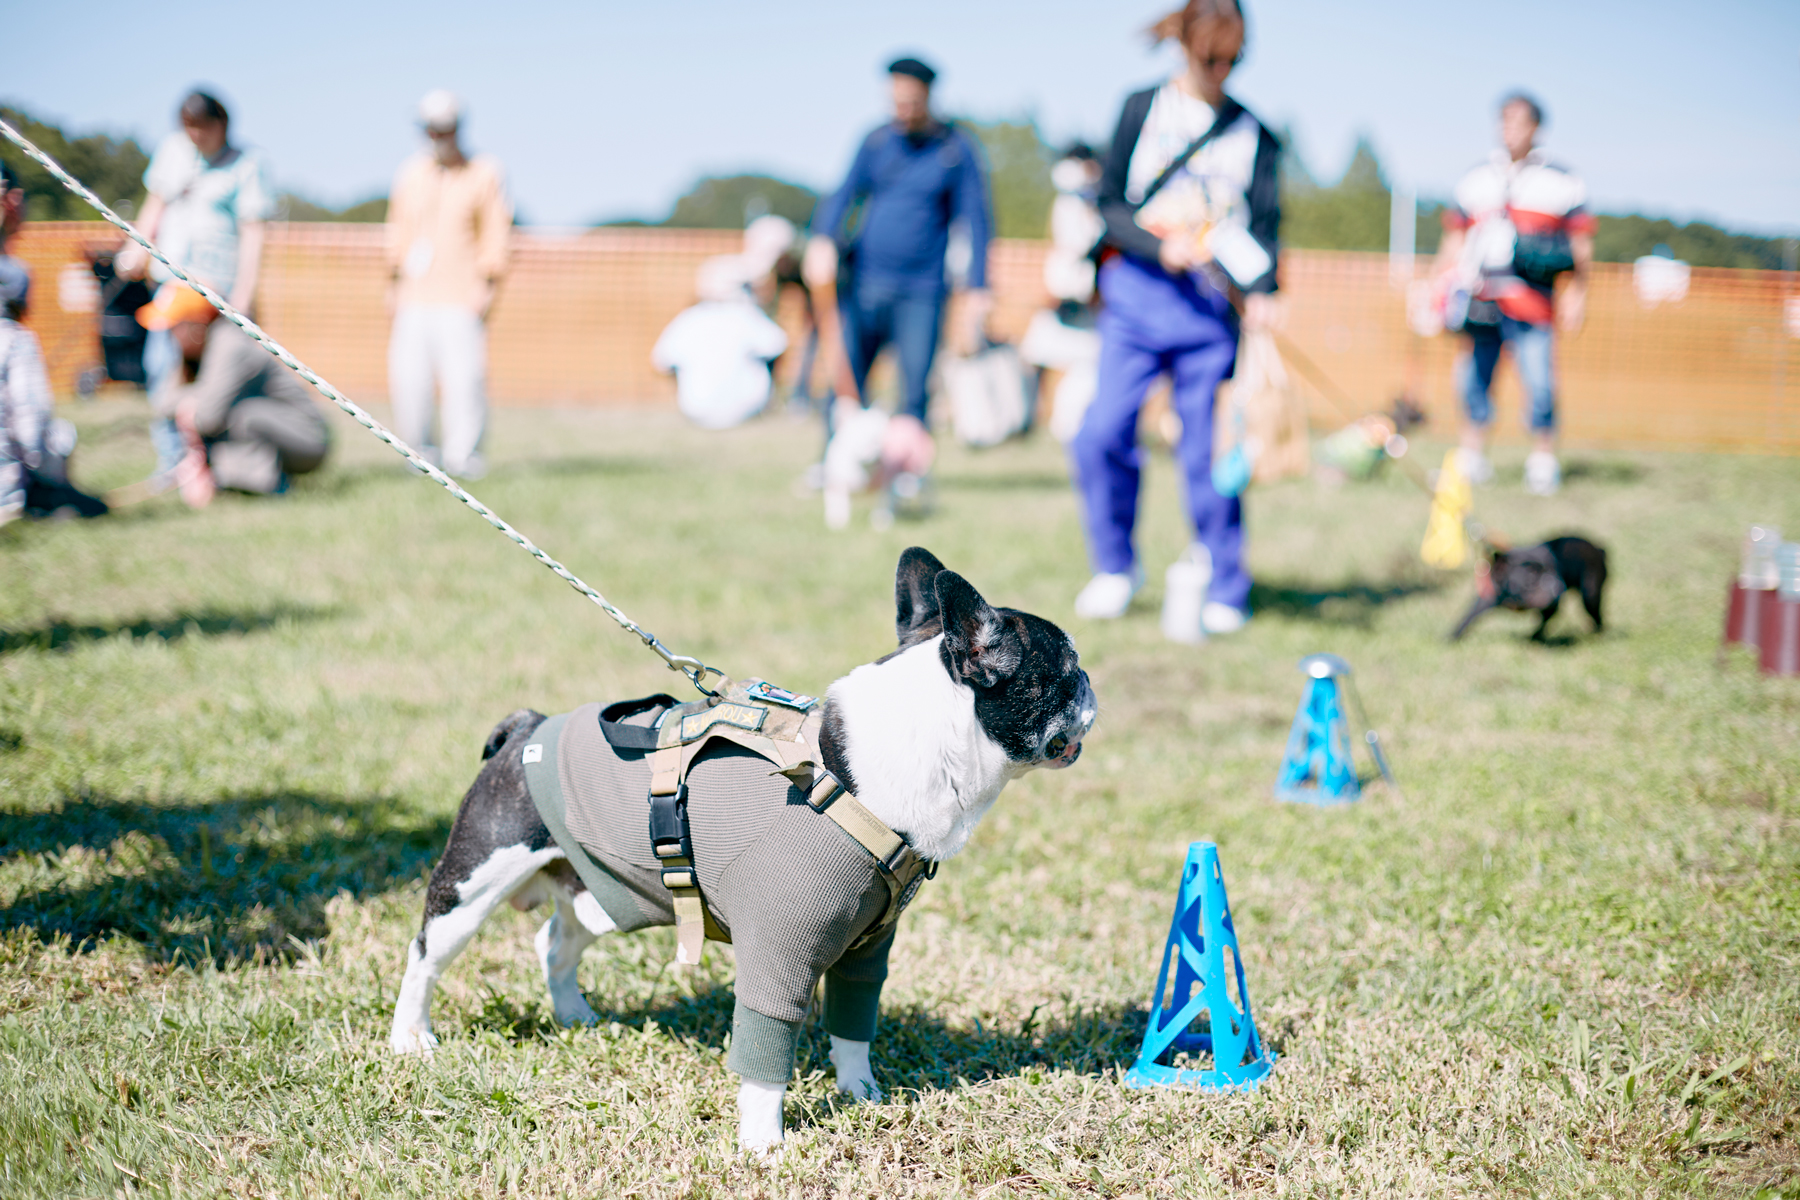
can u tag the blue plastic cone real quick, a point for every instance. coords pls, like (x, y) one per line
(1199, 936)
(1317, 768)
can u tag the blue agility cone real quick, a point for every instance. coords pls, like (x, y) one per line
(1198, 1014)
(1317, 768)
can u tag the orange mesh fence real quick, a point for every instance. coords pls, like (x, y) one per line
(579, 312)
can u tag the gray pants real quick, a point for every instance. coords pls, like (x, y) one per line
(265, 438)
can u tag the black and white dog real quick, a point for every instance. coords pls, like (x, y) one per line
(925, 737)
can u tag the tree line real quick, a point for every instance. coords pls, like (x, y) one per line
(1350, 214)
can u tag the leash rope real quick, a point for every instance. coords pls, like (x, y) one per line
(1341, 404)
(693, 668)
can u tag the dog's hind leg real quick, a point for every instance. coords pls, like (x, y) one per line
(497, 845)
(1593, 582)
(576, 921)
(446, 932)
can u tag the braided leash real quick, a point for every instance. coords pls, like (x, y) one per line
(693, 668)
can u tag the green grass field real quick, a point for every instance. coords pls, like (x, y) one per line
(1565, 963)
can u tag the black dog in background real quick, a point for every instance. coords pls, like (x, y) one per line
(1534, 580)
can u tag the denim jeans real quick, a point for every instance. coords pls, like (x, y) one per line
(905, 312)
(161, 361)
(1534, 357)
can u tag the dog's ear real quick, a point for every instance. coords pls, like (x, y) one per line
(915, 592)
(981, 646)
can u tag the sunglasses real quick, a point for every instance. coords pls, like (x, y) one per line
(1222, 64)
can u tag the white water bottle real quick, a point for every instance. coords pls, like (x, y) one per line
(1184, 595)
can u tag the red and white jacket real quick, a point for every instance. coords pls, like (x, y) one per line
(1500, 199)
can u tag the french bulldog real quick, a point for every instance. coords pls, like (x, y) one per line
(1536, 578)
(925, 737)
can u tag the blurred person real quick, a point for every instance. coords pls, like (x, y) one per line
(787, 274)
(1517, 222)
(720, 349)
(206, 203)
(247, 422)
(12, 205)
(449, 228)
(1063, 338)
(912, 179)
(34, 444)
(1189, 198)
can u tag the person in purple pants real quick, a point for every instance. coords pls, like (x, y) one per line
(1190, 200)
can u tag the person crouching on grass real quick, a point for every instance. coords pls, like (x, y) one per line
(248, 421)
(1189, 198)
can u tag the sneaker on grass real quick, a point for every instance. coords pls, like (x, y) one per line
(1543, 474)
(1218, 618)
(1108, 595)
(1476, 467)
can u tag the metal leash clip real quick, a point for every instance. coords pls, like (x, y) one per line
(693, 668)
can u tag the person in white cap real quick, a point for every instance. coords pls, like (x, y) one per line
(449, 222)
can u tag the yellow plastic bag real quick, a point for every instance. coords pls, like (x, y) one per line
(1446, 543)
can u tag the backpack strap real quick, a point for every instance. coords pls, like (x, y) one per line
(1229, 112)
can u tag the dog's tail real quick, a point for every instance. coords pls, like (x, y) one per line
(1481, 605)
(524, 719)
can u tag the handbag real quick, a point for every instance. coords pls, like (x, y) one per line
(1539, 258)
(987, 395)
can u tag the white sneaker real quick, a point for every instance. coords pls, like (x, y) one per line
(1543, 474)
(1476, 467)
(1107, 596)
(469, 470)
(1222, 618)
(1184, 595)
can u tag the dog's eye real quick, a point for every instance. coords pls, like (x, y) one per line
(1057, 745)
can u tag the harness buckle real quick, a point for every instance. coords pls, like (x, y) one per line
(669, 826)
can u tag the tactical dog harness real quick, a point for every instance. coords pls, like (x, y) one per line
(769, 852)
(782, 727)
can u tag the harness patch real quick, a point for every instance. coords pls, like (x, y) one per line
(780, 695)
(533, 753)
(740, 716)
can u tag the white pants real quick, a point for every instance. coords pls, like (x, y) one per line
(446, 346)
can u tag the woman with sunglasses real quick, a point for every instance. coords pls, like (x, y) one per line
(1189, 197)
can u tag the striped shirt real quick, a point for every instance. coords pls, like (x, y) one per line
(1501, 199)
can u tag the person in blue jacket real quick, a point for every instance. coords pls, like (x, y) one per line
(1189, 199)
(882, 236)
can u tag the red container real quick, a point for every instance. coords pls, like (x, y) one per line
(1744, 613)
(1780, 635)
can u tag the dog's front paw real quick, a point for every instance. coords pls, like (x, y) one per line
(855, 1079)
(860, 1088)
(759, 1119)
(412, 1041)
(577, 1012)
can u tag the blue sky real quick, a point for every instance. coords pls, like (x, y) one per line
(604, 109)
